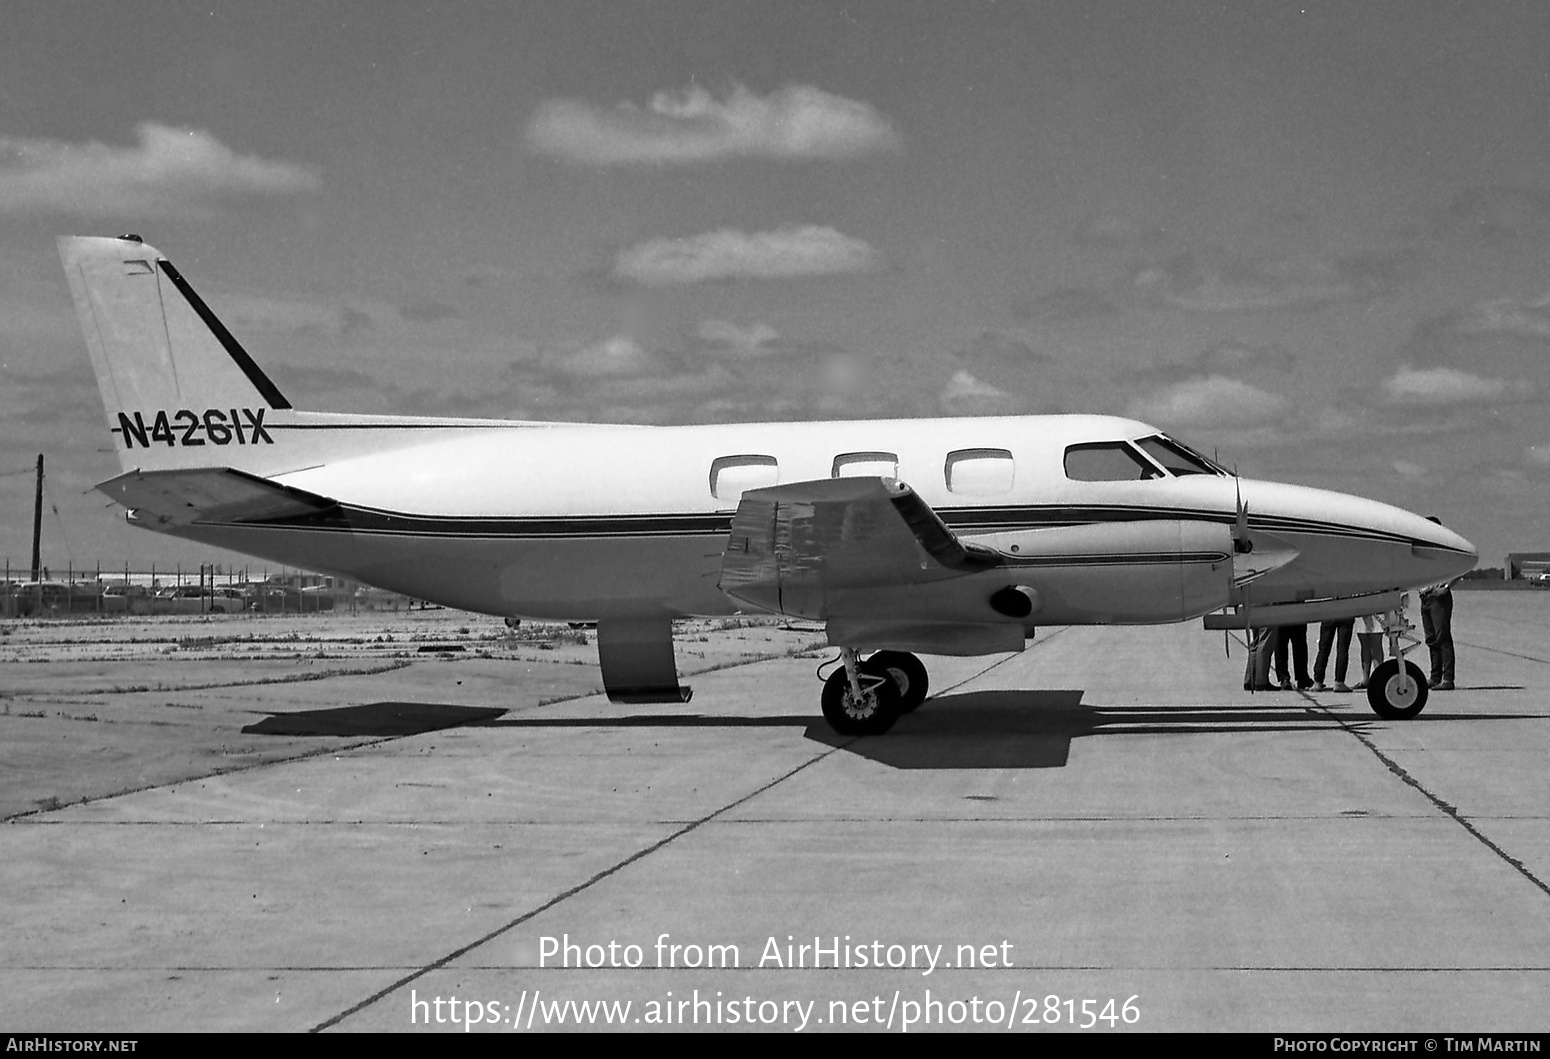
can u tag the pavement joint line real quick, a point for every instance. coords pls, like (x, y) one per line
(639, 854)
(1451, 811)
(365, 743)
(998, 662)
(798, 820)
(94, 798)
(1499, 651)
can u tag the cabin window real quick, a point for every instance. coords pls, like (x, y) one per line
(979, 471)
(866, 465)
(731, 475)
(1107, 462)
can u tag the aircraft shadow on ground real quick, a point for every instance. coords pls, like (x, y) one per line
(374, 719)
(415, 718)
(984, 729)
(1034, 729)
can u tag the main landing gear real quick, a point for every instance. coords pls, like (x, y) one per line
(866, 697)
(1397, 689)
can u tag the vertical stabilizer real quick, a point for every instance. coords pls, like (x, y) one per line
(179, 390)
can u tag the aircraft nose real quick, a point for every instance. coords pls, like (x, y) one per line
(1436, 543)
(1349, 545)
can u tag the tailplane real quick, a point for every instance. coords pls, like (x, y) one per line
(179, 389)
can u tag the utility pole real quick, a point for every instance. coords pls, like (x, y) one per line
(37, 526)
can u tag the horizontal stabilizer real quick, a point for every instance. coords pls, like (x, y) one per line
(791, 545)
(213, 494)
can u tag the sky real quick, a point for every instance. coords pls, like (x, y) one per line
(1312, 238)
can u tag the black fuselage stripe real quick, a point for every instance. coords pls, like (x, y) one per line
(377, 522)
(255, 374)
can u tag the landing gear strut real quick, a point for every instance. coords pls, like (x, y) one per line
(1397, 689)
(858, 700)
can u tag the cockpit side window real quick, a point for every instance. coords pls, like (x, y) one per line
(1177, 458)
(1107, 461)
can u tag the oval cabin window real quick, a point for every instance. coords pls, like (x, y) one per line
(866, 465)
(731, 475)
(981, 471)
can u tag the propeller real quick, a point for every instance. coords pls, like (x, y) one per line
(1242, 543)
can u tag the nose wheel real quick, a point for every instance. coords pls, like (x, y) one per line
(1397, 696)
(1397, 689)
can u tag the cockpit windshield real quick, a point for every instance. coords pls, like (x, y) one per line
(1178, 458)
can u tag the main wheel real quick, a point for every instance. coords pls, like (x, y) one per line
(872, 714)
(1391, 701)
(907, 671)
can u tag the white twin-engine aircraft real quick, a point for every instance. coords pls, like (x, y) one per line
(1006, 524)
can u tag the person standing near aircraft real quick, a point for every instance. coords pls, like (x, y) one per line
(1256, 672)
(1437, 623)
(1338, 635)
(1295, 637)
(1371, 639)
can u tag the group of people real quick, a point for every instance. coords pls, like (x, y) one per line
(1273, 643)
(1271, 646)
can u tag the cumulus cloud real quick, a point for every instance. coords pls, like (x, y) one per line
(171, 170)
(1067, 303)
(1498, 213)
(798, 121)
(1212, 401)
(250, 313)
(429, 312)
(1220, 284)
(1438, 387)
(1512, 316)
(726, 254)
(1243, 356)
(966, 395)
(1224, 358)
(1115, 230)
(1000, 346)
(722, 336)
(619, 356)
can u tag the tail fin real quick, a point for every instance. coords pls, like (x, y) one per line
(178, 388)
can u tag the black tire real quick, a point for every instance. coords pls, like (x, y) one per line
(1383, 691)
(908, 673)
(874, 714)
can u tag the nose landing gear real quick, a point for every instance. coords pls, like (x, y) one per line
(1397, 688)
(1395, 697)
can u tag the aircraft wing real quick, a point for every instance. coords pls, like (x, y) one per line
(791, 546)
(214, 494)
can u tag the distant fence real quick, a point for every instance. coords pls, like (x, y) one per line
(113, 591)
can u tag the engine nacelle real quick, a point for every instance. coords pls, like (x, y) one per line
(1161, 570)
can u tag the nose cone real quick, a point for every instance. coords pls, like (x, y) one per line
(1442, 546)
(1349, 545)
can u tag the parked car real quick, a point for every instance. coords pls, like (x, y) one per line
(286, 599)
(42, 597)
(191, 599)
(125, 599)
